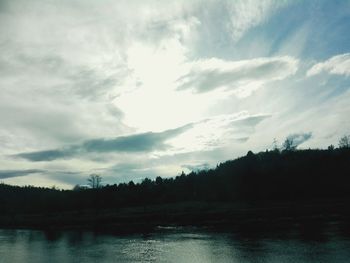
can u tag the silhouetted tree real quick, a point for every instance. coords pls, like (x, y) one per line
(94, 181)
(262, 176)
(159, 180)
(344, 142)
(146, 182)
(289, 145)
(331, 147)
(250, 154)
(275, 147)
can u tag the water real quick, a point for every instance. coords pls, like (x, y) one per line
(175, 245)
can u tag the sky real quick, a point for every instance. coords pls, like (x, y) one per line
(135, 89)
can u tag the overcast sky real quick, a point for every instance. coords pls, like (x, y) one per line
(134, 89)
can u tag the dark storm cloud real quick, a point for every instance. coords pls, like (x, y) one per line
(143, 142)
(15, 173)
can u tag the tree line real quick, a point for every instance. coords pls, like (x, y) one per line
(277, 174)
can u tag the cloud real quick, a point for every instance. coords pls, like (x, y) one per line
(204, 134)
(67, 177)
(217, 132)
(15, 173)
(74, 76)
(48, 155)
(210, 74)
(197, 167)
(337, 65)
(299, 138)
(242, 140)
(143, 142)
(251, 121)
(246, 14)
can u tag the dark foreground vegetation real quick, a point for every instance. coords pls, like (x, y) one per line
(268, 186)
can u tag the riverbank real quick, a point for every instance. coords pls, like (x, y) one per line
(141, 218)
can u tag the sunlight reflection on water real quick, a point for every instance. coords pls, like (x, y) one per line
(168, 245)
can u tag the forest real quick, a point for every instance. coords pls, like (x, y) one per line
(287, 175)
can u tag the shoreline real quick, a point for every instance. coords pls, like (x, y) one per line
(202, 214)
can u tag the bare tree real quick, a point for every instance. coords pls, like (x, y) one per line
(275, 145)
(344, 142)
(94, 181)
(289, 145)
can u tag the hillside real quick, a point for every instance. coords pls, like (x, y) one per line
(271, 177)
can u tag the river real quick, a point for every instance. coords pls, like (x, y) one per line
(175, 244)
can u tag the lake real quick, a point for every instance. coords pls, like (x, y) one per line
(178, 244)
